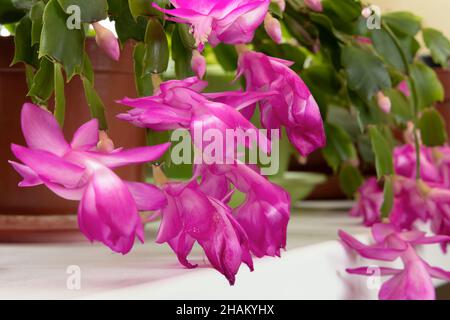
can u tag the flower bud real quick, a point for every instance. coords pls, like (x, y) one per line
(384, 102)
(106, 41)
(366, 12)
(404, 88)
(314, 5)
(105, 144)
(198, 64)
(273, 28)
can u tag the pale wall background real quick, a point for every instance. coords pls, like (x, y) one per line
(435, 13)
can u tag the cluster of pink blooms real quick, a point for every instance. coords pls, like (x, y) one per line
(416, 202)
(195, 211)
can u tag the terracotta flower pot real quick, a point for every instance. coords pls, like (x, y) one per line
(444, 107)
(113, 80)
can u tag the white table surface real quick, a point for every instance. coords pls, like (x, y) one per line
(313, 267)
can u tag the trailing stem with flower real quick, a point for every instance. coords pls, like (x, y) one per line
(330, 75)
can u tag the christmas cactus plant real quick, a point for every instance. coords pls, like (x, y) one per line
(331, 74)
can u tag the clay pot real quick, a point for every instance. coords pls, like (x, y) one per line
(113, 80)
(444, 107)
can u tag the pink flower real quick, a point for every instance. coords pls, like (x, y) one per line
(370, 200)
(417, 200)
(108, 210)
(193, 216)
(273, 28)
(227, 21)
(179, 105)
(404, 88)
(414, 281)
(410, 203)
(292, 107)
(107, 41)
(405, 163)
(198, 64)
(264, 214)
(315, 5)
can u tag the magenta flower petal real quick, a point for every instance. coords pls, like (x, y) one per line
(293, 107)
(414, 283)
(147, 197)
(378, 252)
(50, 166)
(192, 83)
(130, 156)
(227, 247)
(189, 206)
(228, 21)
(182, 246)
(265, 213)
(41, 130)
(432, 240)
(438, 273)
(86, 137)
(405, 163)
(240, 25)
(380, 231)
(191, 216)
(74, 194)
(108, 213)
(369, 202)
(30, 178)
(245, 102)
(215, 186)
